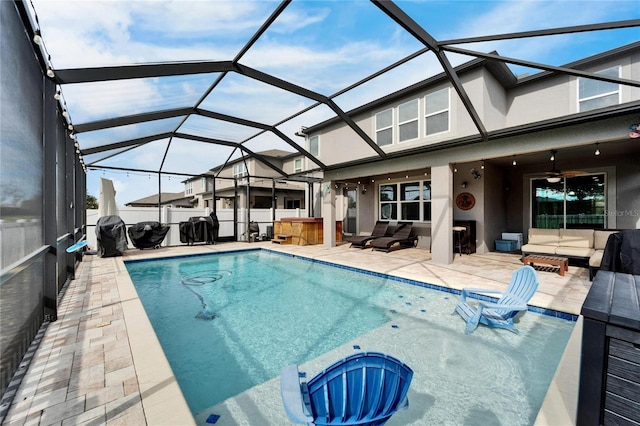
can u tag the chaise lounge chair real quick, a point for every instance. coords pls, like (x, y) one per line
(402, 235)
(523, 285)
(361, 241)
(362, 389)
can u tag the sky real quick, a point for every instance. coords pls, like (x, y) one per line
(323, 46)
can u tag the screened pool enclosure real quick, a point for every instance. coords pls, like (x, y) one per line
(71, 114)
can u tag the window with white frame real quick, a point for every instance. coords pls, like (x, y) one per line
(384, 127)
(188, 188)
(203, 184)
(408, 121)
(239, 170)
(593, 94)
(297, 165)
(436, 107)
(314, 148)
(405, 201)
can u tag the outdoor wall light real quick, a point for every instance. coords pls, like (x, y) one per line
(514, 162)
(482, 165)
(475, 174)
(37, 38)
(597, 149)
(463, 185)
(455, 168)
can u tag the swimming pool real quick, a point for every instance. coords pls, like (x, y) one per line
(228, 322)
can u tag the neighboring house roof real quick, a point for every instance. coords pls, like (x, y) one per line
(177, 199)
(270, 153)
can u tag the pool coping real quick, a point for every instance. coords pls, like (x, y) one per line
(162, 399)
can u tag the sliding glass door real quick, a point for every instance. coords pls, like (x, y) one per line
(573, 202)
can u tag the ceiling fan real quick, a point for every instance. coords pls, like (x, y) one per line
(555, 175)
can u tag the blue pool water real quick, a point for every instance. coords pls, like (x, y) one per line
(228, 322)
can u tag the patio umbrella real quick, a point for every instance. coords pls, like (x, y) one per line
(107, 200)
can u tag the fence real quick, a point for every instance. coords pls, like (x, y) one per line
(173, 217)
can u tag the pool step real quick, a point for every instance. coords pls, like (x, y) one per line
(282, 239)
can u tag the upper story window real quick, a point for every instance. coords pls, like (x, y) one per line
(188, 188)
(239, 170)
(408, 121)
(314, 148)
(297, 165)
(593, 94)
(384, 127)
(203, 184)
(436, 107)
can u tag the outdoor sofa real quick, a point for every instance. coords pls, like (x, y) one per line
(581, 244)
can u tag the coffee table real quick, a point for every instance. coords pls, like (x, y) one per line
(561, 262)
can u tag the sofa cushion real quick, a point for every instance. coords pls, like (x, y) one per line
(538, 248)
(600, 238)
(582, 238)
(546, 237)
(596, 259)
(574, 251)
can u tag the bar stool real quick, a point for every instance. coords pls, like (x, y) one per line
(458, 232)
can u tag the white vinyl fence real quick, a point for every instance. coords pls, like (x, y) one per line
(173, 217)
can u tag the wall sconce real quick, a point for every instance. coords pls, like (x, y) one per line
(37, 38)
(463, 185)
(475, 174)
(364, 189)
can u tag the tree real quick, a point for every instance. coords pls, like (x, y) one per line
(92, 202)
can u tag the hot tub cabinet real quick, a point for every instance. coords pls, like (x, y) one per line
(610, 361)
(301, 231)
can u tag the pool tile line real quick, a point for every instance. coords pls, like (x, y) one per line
(536, 309)
(180, 256)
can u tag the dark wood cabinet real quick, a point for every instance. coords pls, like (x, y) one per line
(610, 361)
(468, 241)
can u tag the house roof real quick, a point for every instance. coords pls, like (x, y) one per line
(174, 198)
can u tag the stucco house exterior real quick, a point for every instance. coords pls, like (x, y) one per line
(432, 152)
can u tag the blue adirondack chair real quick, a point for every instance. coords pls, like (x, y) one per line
(523, 285)
(362, 389)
